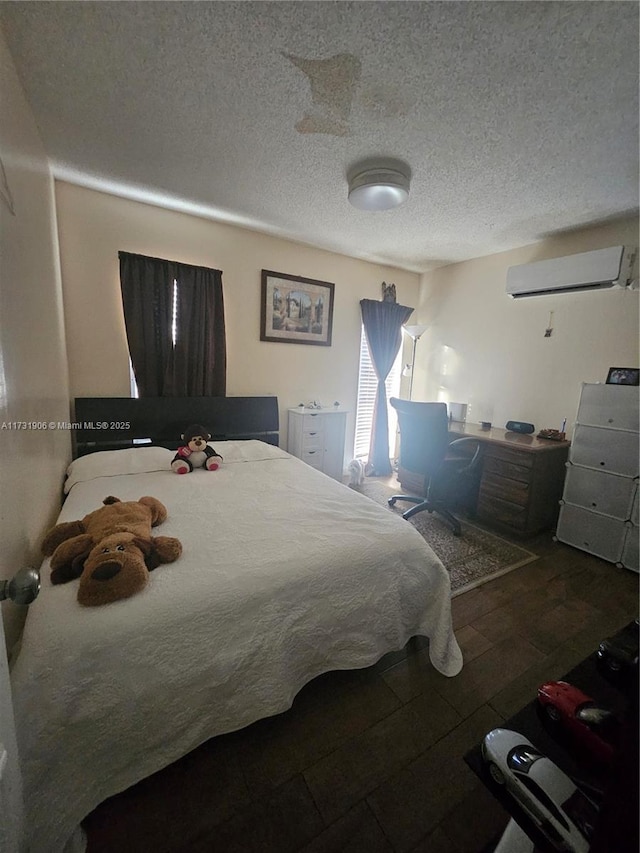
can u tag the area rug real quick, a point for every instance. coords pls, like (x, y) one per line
(471, 559)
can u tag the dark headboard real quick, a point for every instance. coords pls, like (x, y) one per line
(112, 423)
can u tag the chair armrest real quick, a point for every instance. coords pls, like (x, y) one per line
(464, 440)
(474, 460)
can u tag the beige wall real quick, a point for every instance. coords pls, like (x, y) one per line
(94, 227)
(490, 351)
(33, 369)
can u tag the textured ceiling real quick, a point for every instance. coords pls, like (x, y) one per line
(517, 119)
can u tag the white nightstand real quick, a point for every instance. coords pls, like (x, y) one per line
(317, 437)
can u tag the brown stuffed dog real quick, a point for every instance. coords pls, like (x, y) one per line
(111, 550)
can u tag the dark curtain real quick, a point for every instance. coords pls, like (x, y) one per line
(199, 364)
(383, 327)
(147, 294)
(196, 366)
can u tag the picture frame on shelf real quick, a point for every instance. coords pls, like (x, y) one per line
(623, 376)
(296, 310)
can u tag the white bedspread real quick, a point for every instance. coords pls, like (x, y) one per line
(285, 574)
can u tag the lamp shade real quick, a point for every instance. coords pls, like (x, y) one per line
(415, 331)
(378, 189)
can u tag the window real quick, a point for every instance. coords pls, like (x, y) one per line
(367, 387)
(174, 318)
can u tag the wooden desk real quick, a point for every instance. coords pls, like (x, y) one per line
(521, 480)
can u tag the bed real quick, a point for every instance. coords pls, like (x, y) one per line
(285, 574)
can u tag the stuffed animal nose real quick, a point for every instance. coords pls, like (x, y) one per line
(105, 572)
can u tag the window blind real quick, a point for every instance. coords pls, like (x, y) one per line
(367, 387)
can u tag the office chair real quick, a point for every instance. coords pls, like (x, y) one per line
(448, 476)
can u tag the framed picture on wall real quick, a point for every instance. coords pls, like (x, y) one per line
(623, 376)
(296, 310)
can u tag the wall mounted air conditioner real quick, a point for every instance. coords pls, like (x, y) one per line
(601, 269)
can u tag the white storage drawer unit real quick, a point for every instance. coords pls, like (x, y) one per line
(607, 493)
(605, 449)
(604, 405)
(597, 534)
(630, 556)
(317, 437)
(599, 507)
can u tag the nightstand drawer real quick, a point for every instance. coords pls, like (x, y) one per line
(312, 421)
(313, 457)
(312, 439)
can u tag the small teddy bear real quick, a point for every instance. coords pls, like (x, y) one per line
(195, 453)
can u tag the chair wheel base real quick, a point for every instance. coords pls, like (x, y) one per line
(424, 505)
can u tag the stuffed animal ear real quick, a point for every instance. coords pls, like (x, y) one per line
(150, 559)
(160, 549)
(164, 549)
(68, 559)
(68, 572)
(158, 510)
(196, 429)
(60, 533)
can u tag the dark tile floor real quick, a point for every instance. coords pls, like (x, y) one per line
(372, 760)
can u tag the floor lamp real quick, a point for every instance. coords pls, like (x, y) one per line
(414, 332)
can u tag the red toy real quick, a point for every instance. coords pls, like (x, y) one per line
(592, 729)
(196, 453)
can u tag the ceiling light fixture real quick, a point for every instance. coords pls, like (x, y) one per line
(379, 188)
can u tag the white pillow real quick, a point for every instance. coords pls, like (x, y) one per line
(110, 463)
(249, 450)
(142, 460)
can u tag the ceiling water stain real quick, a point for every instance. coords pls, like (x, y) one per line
(333, 83)
(385, 101)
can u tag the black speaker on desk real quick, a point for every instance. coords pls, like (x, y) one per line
(520, 426)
